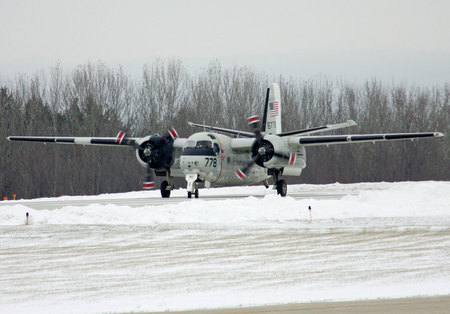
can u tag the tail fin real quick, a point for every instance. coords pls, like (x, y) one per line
(272, 111)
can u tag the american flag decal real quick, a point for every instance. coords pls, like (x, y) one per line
(273, 109)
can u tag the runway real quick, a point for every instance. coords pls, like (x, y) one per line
(228, 252)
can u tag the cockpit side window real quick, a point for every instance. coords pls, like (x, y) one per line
(203, 144)
(190, 144)
(216, 148)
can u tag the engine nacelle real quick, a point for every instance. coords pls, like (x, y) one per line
(155, 151)
(271, 144)
(275, 153)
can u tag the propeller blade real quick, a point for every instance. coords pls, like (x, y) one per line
(120, 137)
(171, 134)
(242, 173)
(254, 121)
(149, 182)
(291, 157)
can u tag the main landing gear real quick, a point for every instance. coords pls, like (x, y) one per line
(165, 193)
(166, 186)
(281, 188)
(280, 185)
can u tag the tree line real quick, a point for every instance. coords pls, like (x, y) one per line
(97, 100)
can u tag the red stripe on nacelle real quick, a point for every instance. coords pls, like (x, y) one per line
(292, 159)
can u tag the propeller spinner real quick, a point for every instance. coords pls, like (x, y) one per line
(262, 150)
(155, 152)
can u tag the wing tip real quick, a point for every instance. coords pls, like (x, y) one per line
(438, 134)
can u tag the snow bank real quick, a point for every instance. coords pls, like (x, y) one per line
(405, 199)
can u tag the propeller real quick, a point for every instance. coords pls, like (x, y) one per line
(263, 151)
(154, 152)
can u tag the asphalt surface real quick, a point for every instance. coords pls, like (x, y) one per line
(439, 304)
(55, 203)
(430, 305)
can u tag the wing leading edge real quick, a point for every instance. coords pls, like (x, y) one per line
(358, 138)
(100, 141)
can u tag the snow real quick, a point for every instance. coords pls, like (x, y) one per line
(377, 240)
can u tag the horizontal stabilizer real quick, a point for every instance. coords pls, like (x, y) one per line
(325, 128)
(222, 130)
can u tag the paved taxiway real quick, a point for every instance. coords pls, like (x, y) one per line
(431, 305)
(55, 203)
(197, 255)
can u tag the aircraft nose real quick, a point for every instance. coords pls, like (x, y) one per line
(202, 161)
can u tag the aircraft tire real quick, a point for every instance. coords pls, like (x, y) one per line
(196, 193)
(164, 192)
(282, 188)
(189, 194)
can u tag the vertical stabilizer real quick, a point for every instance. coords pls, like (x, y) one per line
(272, 111)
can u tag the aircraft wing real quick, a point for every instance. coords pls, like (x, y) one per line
(120, 140)
(222, 130)
(356, 138)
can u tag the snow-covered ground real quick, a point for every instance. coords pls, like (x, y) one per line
(379, 240)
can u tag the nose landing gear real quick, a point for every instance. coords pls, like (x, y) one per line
(189, 194)
(191, 187)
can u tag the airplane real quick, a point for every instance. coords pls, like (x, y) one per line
(226, 157)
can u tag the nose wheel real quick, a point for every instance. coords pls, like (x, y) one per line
(189, 194)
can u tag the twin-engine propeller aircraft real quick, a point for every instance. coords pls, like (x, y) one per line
(221, 157)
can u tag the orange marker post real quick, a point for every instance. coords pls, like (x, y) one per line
(310, 214)
(14, 195)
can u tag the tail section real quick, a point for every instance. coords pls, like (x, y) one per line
(272, 111)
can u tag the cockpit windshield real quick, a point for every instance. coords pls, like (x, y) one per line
(200, 148)
(203, 144)
(198, 144)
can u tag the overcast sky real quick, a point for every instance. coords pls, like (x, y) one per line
(392, 40)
